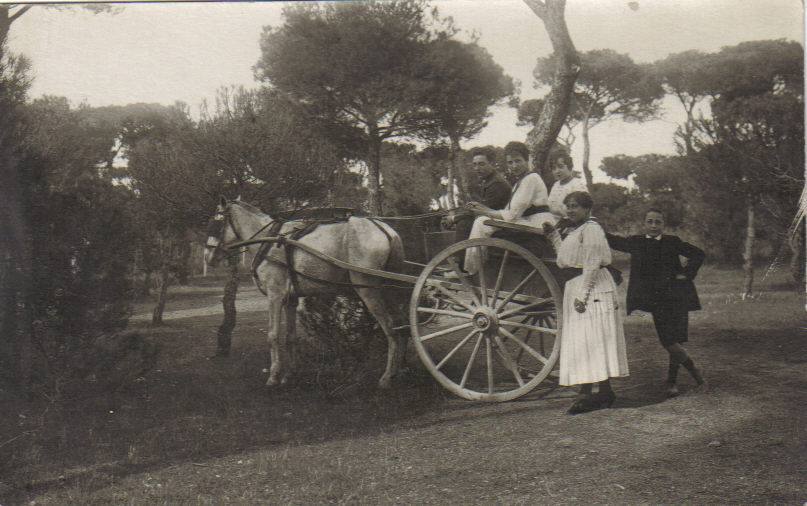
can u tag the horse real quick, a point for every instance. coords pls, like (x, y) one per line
(359, 241)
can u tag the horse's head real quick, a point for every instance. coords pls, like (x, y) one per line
(220, 233)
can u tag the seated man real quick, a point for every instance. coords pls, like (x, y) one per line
(494, 192)
(527, 204)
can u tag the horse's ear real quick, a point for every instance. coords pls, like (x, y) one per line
(222, 201)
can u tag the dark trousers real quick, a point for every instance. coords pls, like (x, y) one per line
(672, 325)
(462, 230)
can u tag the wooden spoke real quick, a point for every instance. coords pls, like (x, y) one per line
(536, 328)
(483, 289)
(505, 314)
(508, 360)
(499, 278)
(471, 361)
(457, 347)
(538, 314)
(446, 312)
(526, 348)
(490, 365)
(516, 289)
(446, 331)
(527, 340)
(453, 298)
(463, 280)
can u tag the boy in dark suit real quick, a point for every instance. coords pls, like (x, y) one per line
(662, 286)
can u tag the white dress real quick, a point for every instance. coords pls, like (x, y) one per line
(559, 192)
(529, 191)
(593, 342)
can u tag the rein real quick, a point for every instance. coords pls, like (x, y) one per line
(224, 218)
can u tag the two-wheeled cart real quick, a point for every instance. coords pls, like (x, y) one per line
(492, 336)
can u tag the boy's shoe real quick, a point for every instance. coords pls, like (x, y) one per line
(671, 390)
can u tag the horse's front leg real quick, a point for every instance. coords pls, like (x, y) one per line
(276, 348)
(290, 339)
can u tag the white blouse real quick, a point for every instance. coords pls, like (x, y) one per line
(529, 191)
(587, 248)
(559, 192)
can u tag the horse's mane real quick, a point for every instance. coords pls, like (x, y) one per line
(249, 207)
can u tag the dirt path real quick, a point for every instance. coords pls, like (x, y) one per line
(207, 432)
(249, 300)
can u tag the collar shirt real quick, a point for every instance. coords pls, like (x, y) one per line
(559, 192)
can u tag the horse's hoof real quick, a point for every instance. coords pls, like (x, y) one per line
(385, 383)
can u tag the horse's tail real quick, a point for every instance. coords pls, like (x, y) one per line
(395, 257)
(395, 260)
(397, 299)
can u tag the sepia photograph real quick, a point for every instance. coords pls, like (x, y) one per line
(403, 252)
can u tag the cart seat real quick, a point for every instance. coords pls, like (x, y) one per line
(525, 236)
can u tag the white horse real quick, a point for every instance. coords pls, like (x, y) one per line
(358, 241)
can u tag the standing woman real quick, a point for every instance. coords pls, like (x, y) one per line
(527, 205)
(593, 346)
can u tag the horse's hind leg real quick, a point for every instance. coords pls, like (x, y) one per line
(396, 345)
(276, 343)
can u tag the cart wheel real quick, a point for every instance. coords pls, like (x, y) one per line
(430, 298)
(500, 335)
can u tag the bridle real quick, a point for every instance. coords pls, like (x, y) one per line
(217, 226)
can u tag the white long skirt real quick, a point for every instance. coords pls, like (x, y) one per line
(593, 343)
(473, 256)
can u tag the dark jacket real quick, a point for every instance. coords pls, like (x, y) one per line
(654, 265)
(494, 192)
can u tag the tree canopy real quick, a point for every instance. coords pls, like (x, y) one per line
(609, 86)
(353, 65)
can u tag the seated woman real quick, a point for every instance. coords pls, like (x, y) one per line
(593, 347)
(566, 182)
(527, 205)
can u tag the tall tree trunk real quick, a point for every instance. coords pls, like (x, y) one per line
(165, 280)
(225, 332)
(798, 262)
(558, 101)
(454, 171)
(145, 291)
(374, 176)
(748, 253)
(586, 153)
(25, 329)
(7, 17)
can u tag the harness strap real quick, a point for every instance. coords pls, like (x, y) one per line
(263, 250)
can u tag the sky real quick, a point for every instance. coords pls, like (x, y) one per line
(164, 52)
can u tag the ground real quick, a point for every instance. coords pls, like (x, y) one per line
(200, 431)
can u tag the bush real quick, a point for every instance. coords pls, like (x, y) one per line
(341, 343)
(81, 284)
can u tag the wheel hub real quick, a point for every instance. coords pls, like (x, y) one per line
(485, 320)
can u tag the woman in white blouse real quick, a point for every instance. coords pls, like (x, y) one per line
(566, 182)
(527, 206)
(593, 346)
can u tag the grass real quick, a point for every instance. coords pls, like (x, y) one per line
(196, 431)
